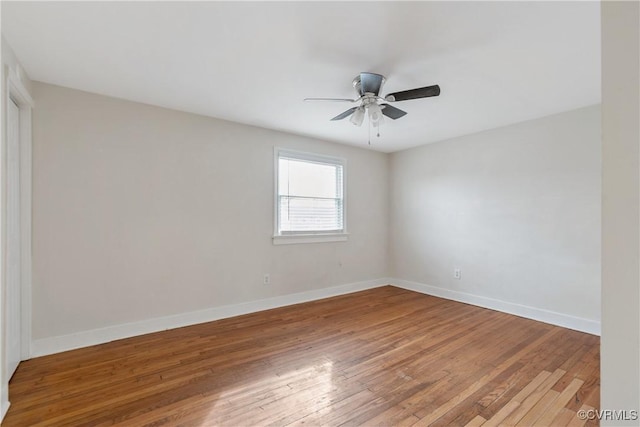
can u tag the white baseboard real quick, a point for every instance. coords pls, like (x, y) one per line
(45, 346)
(542, 315)
(4, 407)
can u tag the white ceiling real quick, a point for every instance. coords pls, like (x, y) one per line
(253, 62)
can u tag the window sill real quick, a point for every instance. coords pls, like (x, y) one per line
(294, 239)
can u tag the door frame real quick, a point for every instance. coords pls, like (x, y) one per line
(17, 92)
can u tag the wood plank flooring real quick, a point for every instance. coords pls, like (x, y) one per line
(385, 356)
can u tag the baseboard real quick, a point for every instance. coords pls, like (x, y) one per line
(62, 343)
(4, 407)
(541, 315)
(45, 346)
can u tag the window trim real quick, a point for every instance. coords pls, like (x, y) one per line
(307, 237)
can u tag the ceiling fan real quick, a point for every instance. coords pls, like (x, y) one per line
(368, 86)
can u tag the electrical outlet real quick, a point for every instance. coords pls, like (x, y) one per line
(266, 280)
(457, 273)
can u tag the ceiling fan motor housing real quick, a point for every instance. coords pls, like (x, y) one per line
(373, 81)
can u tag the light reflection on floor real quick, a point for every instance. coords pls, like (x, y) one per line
(311, 385)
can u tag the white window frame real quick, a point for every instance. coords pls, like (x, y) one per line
(307, 237)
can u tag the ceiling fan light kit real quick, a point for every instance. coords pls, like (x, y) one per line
(368, 86)
(375, 114)
(357, 117)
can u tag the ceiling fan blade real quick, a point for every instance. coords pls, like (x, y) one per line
(423, 92)
(345, 114)
(370, 83)
(331, 99)
(392, 112)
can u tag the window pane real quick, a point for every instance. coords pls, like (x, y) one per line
(308, 179)
(310, 214)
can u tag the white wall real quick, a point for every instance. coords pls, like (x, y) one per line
(517, 209)
(620, 363)
(10, 65)
(141, 212)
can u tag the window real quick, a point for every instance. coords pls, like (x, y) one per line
(309, 198)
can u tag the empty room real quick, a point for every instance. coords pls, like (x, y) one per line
(320, 213)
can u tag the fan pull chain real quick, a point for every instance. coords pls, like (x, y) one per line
(369, 131)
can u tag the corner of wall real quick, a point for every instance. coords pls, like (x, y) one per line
(390, 258)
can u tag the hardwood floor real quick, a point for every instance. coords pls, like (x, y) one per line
(385, 356)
